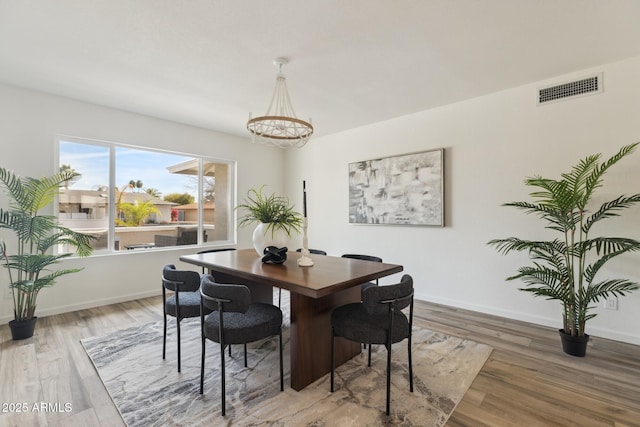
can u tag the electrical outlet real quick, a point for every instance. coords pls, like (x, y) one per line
(611, 303)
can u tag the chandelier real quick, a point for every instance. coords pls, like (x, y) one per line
(279, 126)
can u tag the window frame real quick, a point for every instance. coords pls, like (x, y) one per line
(112, 147)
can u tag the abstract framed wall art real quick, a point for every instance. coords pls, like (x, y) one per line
(407, 189)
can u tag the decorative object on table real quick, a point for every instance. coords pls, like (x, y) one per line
(406, 189)
(274, 255)
(305, 257)
(279, 126)
(274, 216)
(565, 268)
(30, 267)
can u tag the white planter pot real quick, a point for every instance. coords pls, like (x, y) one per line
(263, 238)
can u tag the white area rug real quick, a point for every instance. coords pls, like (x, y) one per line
(148, 391)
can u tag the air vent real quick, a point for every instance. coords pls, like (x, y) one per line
(586, 86)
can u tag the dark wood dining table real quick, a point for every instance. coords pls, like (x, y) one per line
(314, 292)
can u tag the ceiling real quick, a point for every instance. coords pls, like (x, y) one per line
(209, 63)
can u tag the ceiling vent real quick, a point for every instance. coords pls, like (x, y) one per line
(559, 92)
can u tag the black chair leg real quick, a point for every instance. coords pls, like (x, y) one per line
(202, 361)
(410, 366)
(222, 376)
(178, 328)
(281, 370)
(164, 338)
(388, 376)
(279, 298)
(369, 364)
(332, 357)
(221, 341)
(164, 316)
(245, 355)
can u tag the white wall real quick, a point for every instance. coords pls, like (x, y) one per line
(29, 123)
(491, 144)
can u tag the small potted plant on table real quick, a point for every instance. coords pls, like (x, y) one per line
(274, 216)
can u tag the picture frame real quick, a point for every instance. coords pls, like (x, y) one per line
(407, 189)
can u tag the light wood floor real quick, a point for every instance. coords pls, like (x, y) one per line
(527, 381)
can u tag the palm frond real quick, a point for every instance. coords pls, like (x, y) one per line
(49, 280)
(538, 248)
(42, 191)
(610, 209)
(65, 236)
(36, 228)
(545, 282)
(578, 178)
(556, 194)
(595, 179)
(33, 264)
(608, 245)
(504, 246)
(14, 188)
(612, 287)
(592, 269)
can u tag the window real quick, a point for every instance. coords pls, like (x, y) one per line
(131, 198)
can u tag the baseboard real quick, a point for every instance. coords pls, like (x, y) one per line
(88, 304)
(538, 320)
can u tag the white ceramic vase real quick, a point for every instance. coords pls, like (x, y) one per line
(263, 238)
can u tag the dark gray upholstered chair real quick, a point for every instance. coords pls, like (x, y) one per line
(378, 319)
(206, 251)
(184, 303)
(313, 251)
(364, 258)
(235, 320)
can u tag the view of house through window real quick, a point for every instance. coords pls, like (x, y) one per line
(131, 198)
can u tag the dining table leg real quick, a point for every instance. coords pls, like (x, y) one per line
(310, 344)
(311, 336)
